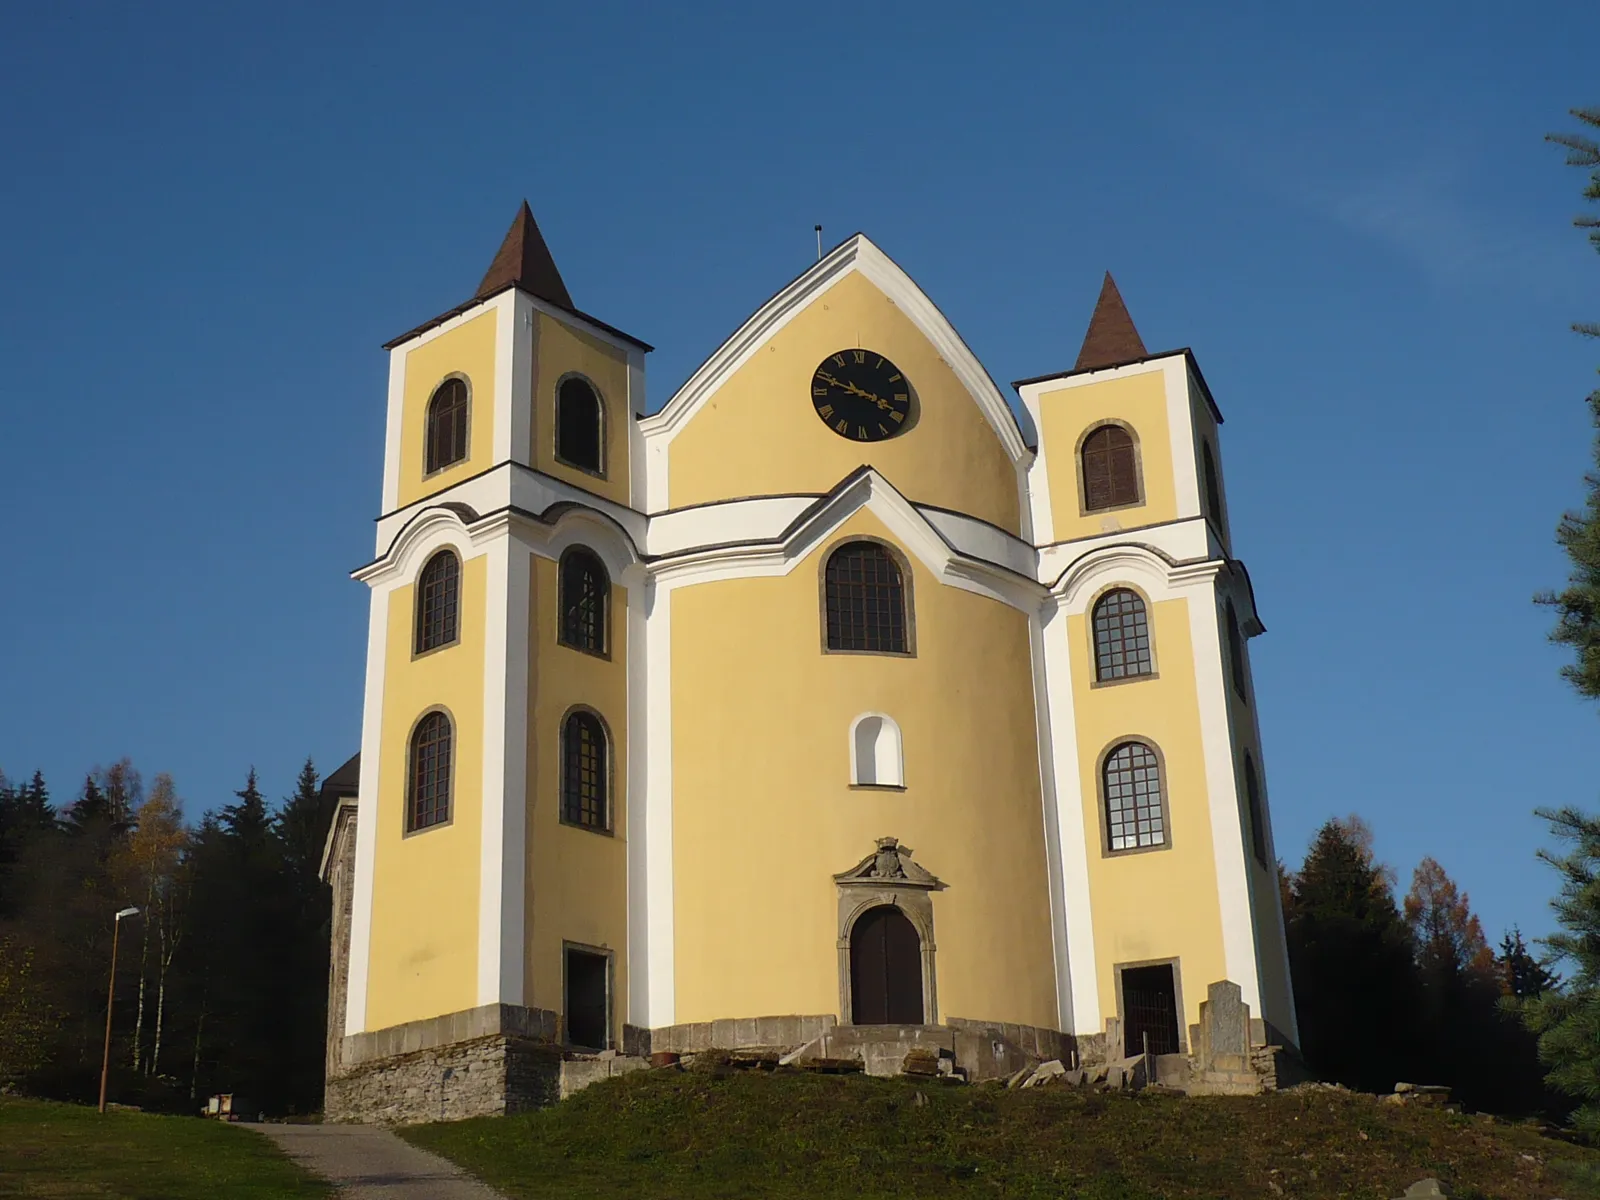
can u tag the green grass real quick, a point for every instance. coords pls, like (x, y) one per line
(61, 1150)
(673, 1135)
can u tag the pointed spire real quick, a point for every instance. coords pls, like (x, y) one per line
(524, 260)
(1112, 337)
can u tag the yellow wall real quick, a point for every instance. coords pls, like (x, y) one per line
(560, 350)
(763, 816)
(577, 879)
(1140, 401)
(758, 435)
(424, 955)
(467, 350)
(1153, 904)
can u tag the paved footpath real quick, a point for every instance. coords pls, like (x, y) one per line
(367, 1162)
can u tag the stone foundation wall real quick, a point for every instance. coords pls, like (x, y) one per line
(486, 1076)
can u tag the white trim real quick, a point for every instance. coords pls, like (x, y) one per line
(1180, 434)
(856, 254)
(519, 330)
(494, 882)
(659, 1002)
(393, 425)
(638, 479)
(636, 824)
(1078, 995)
(367, 813)
(505, 342)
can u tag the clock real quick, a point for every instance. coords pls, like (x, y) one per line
(861, 395)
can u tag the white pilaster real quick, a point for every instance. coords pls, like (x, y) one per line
(367, 813)
(656, 993)
(1061, 941)
(516, 333)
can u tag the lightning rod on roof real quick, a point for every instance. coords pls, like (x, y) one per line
(819, 243)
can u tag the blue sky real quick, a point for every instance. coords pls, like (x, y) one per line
(214, 215)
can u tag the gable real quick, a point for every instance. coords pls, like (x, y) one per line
(744, 425)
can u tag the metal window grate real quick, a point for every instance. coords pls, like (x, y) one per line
(1132, 780)
(447, 426)
(1121, 636)
(583, 775)
(1110, 472)
(578, 425)
(438, 602)
(1150, 1010)
(585, 587)
(866, 600)
(429, 802)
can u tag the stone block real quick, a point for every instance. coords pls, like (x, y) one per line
(1045, 1072)
(724, 1034)
(1426, 1189)
(1227, 1019)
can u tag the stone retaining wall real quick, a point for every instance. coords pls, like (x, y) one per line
(486, 1076)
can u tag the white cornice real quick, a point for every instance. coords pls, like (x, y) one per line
(856, 254)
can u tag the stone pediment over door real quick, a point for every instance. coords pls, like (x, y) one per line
(889, 876)
(890, 865)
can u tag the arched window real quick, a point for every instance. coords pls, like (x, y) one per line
(439, 602)
(1110, 469)
(1121, 636)
(428, 773)
(1208, 464)
(865, 600)
(875, 752)
(1252, 795)
(585, 602)
(578, 424)
(1236, 652)
(585, 771)
(1135, 814)
(447, 426)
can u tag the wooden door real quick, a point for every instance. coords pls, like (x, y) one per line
(885, 969)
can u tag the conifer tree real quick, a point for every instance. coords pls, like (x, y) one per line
(1520, 974)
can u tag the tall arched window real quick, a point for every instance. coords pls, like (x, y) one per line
(865, 600)
(1252, 795)
(446, 438)
(439, 602)
(875, 752)
(585, 769)
(1236, 652)
(428, 773)
(1208, 464)
(1121, 636)
(585, 602)
(578, 421)
(1110, 469)
(1135, 811)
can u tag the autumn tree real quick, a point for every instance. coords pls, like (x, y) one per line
(153, 858)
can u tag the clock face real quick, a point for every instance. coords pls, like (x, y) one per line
(861, 395)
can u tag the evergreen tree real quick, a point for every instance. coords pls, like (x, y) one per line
(308, 907)
(1521, 975)
(1356, 985)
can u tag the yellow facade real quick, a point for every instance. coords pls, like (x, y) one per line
(559, 351)
(425, 884)
(759, 436)
(467, 351)
(1139, 404)
(764, 814)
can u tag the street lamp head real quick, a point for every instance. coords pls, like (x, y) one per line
(128, 912)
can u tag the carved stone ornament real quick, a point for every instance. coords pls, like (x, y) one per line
(890, 865)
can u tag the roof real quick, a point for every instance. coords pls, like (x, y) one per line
(1112, 336)
(1188, 355)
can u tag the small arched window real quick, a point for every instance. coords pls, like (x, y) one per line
(1236, 652)
(1110, 469)
(1121, 636)
(428, 773)
(585, 772)
(876, 754)
(447, 426)
(439, 602)
(578, 421)
(1135, 813)
(865, 600)
(1252, 795)
(585, 602)
(1208, 464)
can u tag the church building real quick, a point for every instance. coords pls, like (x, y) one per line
(843, 690)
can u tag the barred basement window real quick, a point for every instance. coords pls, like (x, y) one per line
(578, 426)
(428, 774)
(438, 602)
(1110, 469)
(1252, 795)
(1121, 636)
(1236, 652)
(865, 600)
(446, 437)
(584, 600)
(1131, 781)
(584, 772)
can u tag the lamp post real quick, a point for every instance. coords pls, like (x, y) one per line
(105, 1062)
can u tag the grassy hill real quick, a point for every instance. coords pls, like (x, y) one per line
(669, 1134)
(60, 1150)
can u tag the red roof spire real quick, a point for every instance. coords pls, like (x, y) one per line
(1112, 337)
(524, 261)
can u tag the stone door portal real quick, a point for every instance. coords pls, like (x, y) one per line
(885, 969)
